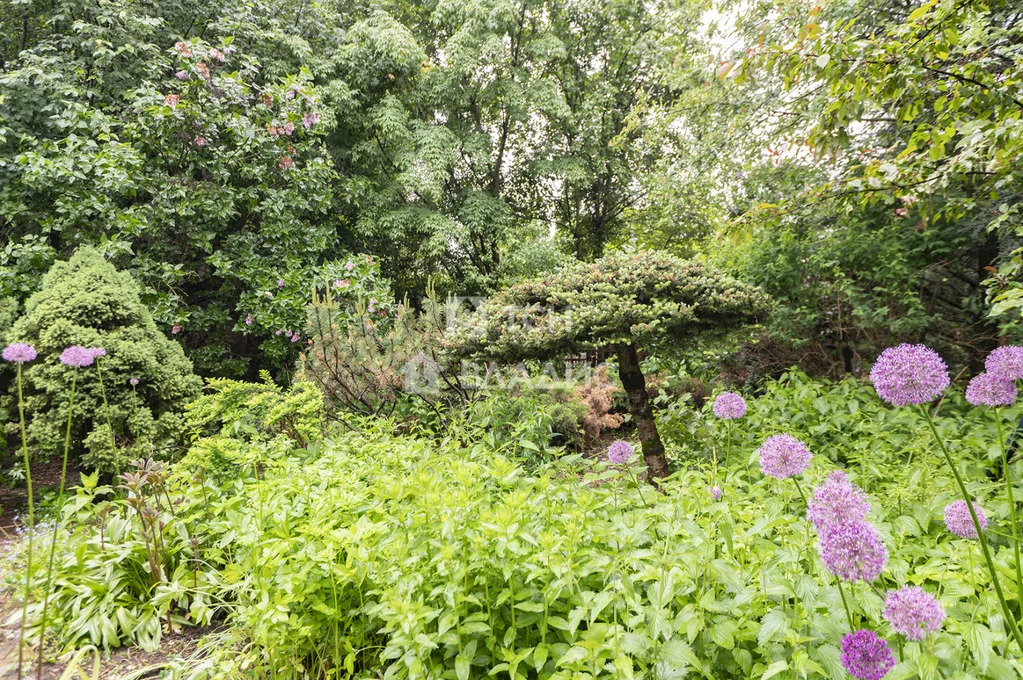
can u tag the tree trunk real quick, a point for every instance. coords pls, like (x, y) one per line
(642, 413)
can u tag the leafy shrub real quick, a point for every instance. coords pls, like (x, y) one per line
(85, 301)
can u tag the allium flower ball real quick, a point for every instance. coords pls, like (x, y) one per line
(19, 353)
(835, 501)
(97, 352)
(76, 356)
(1005, 362)
(853, 551)
(989, 389)
(913, 612)
(909, 374)
(959, 522)
(729, 406)
(866, 655)
(783, 456)
(134, 382)
(619, 452)
(715, 491)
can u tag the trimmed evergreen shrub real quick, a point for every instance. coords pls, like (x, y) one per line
(86, 301)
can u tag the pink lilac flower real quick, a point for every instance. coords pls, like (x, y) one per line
(729, 406)
(294, 338)
(959, 522)
(287, 334)
(200, 140)
(909, 374)
(310, 119)
(913, 612)
(289, 128)
(19, 353)
(286, 162)
(278, 332)
(783, 456)
(1006, 362)
(290, 94)
(249, 320)
(181, 75)
(134, 382)
(866, 655)
(171, 100)
(853, 551)
(76, 356)
(990, 389)
(835, 501)
(203, 70)
(182, 49)
(619, 452)
(216, 55)
(175, 329)
(280, 283)
(349, 266)
(715, 491)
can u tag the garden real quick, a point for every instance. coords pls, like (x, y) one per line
(526, 339)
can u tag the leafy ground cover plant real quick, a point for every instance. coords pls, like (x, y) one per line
(371, 554)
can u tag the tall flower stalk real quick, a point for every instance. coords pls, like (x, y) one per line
(75, 357)
(915, 375)
(19, 353)
(98, 352)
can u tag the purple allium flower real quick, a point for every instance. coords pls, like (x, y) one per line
(249, 320)
(1005, 362)
(909, 374)
(783, 456)
(76, 356)
(181, 75)
(280, 283)
(913, 612)
(959, 522)
(715, 491)
(990, 389)
(134, 382)
(97, 352)
(835, 501)
(19, 352)
(866, 655)
(853, 551)
(729, 406)
(619, 452)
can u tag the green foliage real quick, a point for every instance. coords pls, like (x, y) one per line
(86, 301)
(396, 556)
(649, 298)
(255, 412)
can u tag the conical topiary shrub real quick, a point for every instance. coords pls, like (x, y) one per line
(86, 301)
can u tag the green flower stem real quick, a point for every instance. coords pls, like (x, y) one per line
(31, 526)
(57, 525)
(1012, 500)
(728, 451)
(636, 482)
(845, 603)
(981, 537)
(106, 410)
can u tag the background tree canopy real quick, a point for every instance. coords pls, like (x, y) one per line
(857, 161)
